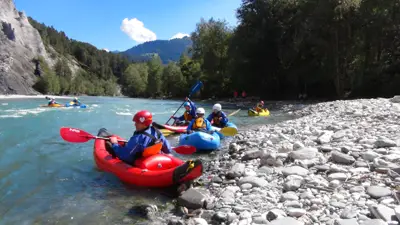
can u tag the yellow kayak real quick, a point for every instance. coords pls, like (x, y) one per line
(252, 112)
(53, 105)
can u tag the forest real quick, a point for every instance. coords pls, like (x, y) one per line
(279, 49)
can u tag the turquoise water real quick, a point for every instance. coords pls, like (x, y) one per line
(45, 180)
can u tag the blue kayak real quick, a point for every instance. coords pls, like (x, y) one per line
(229, 124)
(82, 106)
(201, 140)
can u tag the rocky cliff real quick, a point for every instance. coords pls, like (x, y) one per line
(20, 43)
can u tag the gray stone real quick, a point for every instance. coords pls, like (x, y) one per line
(295, 212)
(378, 191)
(346, 222)
(237, 170)
(197, 221)
(295, 170)
(286, 221)
(290, 195)
(349, 213)
(339, 157)
(369, 155)
(220, 217)
(384, 142)
(252, 154)
(382, 212)
(374, 222)
(325, 137)
(255, 181)
(194, 198)
(304, 153)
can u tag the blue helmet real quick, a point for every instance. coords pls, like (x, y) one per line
(186, 104)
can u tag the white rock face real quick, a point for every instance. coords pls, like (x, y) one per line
(19, 44)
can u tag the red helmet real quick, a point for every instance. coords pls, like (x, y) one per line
(144, 117)
(262, 102)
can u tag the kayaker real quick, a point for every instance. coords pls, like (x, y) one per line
(76, 101)
(188, 115)
(199, 123)
(218, 117)
(52, 102)
(144, 136)
(260, 106)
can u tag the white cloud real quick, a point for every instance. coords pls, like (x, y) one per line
(179, 35)
(106, 49)
(135, 29)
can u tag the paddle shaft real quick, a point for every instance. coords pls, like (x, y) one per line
(107, 139)
(194, 89)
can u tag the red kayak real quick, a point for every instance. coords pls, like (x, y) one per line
(176, 129)
(159, 170)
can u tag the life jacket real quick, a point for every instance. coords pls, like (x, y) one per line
(187, 116)
(155, 145)
(216, 117)
(259, 107)
(199, 124)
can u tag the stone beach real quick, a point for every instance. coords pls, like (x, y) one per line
(337, 164)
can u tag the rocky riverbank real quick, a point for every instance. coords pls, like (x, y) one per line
(338, 164)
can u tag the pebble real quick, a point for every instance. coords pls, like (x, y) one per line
(335, 164)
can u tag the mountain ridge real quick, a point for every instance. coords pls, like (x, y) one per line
(167, 50)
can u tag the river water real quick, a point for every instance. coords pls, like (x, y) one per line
(45, 180)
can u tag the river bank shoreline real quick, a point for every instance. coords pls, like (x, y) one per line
(336, 164)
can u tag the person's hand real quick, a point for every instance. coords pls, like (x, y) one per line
(220, 118)
(173, 117)
(186, 99)
(114, 140)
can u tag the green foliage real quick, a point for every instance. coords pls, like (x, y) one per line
(280, 49)
(101, 68)
(135, 80)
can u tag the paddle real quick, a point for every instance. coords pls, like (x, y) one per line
(75, 135)
(193, 90)
(226, 131)
(233, 113)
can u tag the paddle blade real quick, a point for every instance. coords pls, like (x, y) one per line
(185, 149)
(196, 87)
(75, 135)
(228, 131)
(166, 132)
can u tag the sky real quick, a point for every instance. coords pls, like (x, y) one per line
(122, 24)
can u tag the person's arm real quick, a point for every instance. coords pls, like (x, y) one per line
(224, 118)
(210, 117)
(208, 125)
(166, 148)
(181, 118)
(189, 127)
(126, 152)
(192, 105)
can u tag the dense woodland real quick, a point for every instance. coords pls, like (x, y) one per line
(280, 48)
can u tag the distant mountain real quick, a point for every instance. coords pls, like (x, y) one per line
(168, 50)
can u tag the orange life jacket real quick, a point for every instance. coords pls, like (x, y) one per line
(154, 146)
(187, 116)
(199, 123)
(259, 107)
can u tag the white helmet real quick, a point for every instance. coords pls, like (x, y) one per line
(200, 111)
(217, 107)
(75, 98)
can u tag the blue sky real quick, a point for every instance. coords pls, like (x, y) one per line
(121, 24)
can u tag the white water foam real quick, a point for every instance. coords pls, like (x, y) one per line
(33, 96)
(16, 113)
